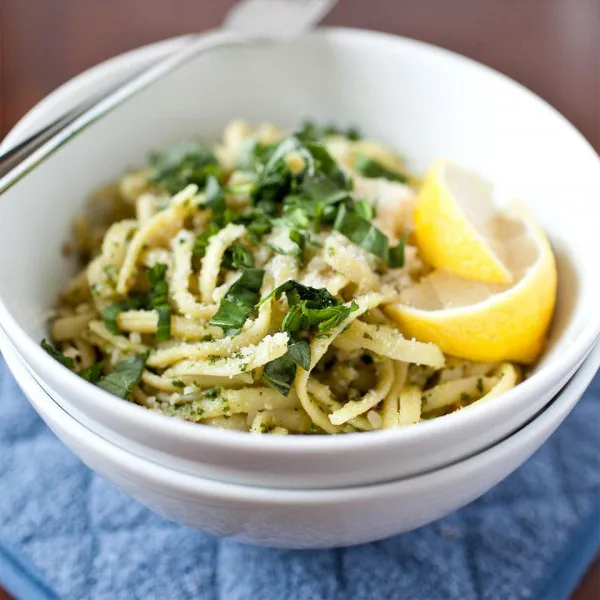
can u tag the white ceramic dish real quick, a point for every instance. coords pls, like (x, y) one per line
(302, 518)
(423, 100)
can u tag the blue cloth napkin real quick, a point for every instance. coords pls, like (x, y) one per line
(67, 534)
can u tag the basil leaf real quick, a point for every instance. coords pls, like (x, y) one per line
(125, 376)
(311, 131)
(300, 353)
(237, 257)
(281, 372)
(110, 314)
(335, 317)
(182, 164)
(240, 300)
(298, 238)
(362, 232)
(296, 216)
(159, 288)
(158, 299)
(215, 199)
(66, 361)
(324, 316)
(92, 373)
(293, 320)
(296, 292)
(302, 318)
(254, 155)
(324, 168)
(202, 240)
(363, 208)
(163, 326)
(275, 180)
(396, 254)
(367, 167)
(259, 226)
(309, 307)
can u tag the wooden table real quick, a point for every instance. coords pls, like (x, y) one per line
(552, 46)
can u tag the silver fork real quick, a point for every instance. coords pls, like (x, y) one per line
(247, 21)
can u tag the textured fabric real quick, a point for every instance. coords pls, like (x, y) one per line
(65, 533)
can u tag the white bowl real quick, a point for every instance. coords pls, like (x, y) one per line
(423, 100)
(302, 518)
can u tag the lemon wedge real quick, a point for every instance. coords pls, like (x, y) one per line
(453, 220)
(488, 321)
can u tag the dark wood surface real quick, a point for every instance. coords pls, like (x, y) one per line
(551, 46)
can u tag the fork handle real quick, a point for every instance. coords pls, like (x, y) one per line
(16, 162)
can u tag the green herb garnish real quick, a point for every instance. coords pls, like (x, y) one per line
(396, 254)
(309, 309)
(311, 131)
(361, 232)
(203, 239)
(110, 313)
(281, 372)
(367, 167)
(237, 256)
(182, 164)
(215, 199)
(64, 360)
(93, 372)
(240, 300)
(125, 376)
(364, 234)
(158, 299)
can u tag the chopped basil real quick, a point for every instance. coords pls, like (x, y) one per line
(309, 308)
(275, 181)
(311, 131)
(125, 376)
(296, 292)
(163, 325)
(363, 208)
(361, 232)
(396, 254)
(158, 299)
(202, 240)
(300, 353)
(182, 164)
(237, 256)
(258, 226)
(323, 168)
(328, 318)
(64, 360)
(93, 372)
(215, 199)
(281, 372)
(253, 155)
(367, 167)
(110, 314)
(240, 300)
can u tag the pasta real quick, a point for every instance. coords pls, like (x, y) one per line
(244, 286)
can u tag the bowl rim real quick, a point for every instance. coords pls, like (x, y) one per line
(558, 409)
(534, 386)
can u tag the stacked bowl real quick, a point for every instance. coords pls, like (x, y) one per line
(307, 491)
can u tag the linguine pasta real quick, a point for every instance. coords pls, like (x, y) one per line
(244, 286)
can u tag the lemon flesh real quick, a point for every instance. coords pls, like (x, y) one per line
(454, 225)
(488, 321)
